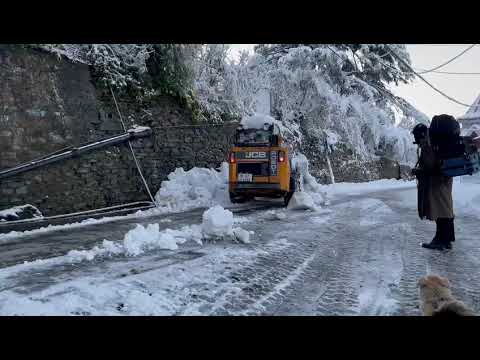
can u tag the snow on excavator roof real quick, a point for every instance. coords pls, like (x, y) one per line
(257, 121)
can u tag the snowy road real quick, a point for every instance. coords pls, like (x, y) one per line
(358, 256)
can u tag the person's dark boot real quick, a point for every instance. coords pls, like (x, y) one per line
(434, 246)
(437, 243)
(449, 233)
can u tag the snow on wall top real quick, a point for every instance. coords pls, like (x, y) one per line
(15, 213)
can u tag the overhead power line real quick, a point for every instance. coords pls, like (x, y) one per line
(437, 45)
(449, 61)
(451, 72)
(399, 58)
(413, 71)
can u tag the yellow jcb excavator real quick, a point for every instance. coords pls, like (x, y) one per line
(259, 165)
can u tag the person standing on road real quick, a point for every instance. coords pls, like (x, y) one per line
(435, 202)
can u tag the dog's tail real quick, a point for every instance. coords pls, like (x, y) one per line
(453, 308)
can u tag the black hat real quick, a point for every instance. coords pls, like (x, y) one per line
(420, 131)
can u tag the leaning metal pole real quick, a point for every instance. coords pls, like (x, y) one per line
(73, 152)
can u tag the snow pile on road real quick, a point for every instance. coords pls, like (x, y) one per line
(198, 187)
(142, 239)
(108, 248)
(280, 216)
(20, 212)
(242, 235)
(217, 223)
(301, 201)
(138, 241)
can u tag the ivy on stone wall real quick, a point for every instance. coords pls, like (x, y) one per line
(141, 72)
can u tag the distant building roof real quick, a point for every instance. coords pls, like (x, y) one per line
(473, 112)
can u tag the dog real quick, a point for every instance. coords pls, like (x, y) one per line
(436, 299)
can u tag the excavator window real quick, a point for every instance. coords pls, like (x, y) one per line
(253, 137)
(268, 136)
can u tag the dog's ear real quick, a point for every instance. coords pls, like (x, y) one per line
(444, 282)
(422, 282)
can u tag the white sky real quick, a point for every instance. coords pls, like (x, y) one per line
(464, 88)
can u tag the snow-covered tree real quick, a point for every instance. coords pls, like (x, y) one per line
(212, 77)
(341, 92)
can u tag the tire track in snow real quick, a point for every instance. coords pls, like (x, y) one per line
(281, 286)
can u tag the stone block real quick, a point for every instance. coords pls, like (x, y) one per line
(7, 191)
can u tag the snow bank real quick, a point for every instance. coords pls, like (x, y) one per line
(366, 187)
(184, 190)
(315, 193)
(16, 235)
(466, 195)
(198, 187)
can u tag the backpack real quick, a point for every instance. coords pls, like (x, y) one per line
(445, 137)
(457, 154)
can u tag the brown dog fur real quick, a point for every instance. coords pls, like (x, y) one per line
(436, 298)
